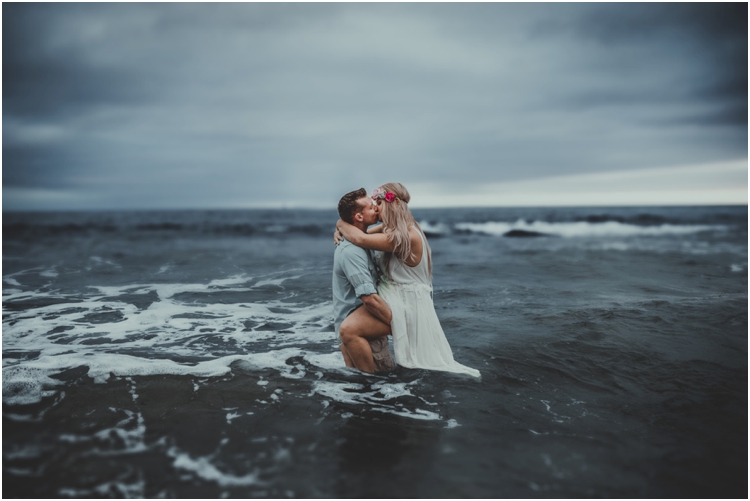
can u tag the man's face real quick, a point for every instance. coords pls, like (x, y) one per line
(370, 212)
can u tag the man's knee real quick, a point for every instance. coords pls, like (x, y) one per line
(347, 332)
(351, 328)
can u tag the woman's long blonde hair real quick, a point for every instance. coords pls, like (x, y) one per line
(397, 219)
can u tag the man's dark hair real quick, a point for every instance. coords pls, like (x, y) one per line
(348, 205)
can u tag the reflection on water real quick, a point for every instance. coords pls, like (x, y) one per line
(385, 457)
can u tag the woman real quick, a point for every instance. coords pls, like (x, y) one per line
(418, 339)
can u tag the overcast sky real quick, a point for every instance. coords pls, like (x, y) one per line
(185, 105)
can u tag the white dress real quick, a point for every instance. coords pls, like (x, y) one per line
(418, 339)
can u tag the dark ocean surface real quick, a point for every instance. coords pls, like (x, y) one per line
(192, 354)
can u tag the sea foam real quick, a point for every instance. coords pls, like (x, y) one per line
(110, 335)
(586, 229)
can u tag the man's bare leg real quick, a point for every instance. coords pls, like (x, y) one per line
(347, 358)
(358, 327)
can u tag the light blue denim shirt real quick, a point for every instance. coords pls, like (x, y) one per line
(354, 275)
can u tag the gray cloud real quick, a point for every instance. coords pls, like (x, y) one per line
(703, 22)
(215, 105)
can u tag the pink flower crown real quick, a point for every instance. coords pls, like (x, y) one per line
(381, 194)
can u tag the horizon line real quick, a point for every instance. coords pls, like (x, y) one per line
(333, 208)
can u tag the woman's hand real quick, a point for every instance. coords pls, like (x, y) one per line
(348, 231)
(341, 230)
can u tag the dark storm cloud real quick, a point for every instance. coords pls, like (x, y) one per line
(47, 63)
(713, 35)
(226, 104)
(44, 80)
(710, 22)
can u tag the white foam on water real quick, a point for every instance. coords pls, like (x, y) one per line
(134, 489)
(128, 436)
(24, 472)
(95, 329)
(267, 280)
(276, 281)
(50, 273)
(439, 228)
(378, 397)
(647, 244)
(452, 423)
(233, 280)
(737, 268)
(9, 277)
(131, 431)
(73, 439)
(115, 338)
(586, 229)
(11, 281)
(24, 385)
(558, 418)
(415, 414)
(327, 361)
(203, 468)
(339, 392)
(132, 390)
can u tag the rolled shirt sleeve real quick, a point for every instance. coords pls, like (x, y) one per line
(357, 271)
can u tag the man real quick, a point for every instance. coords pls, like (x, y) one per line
(361, 317)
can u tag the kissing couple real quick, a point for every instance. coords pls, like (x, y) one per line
(382, 284)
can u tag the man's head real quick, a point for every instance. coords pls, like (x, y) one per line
(356, 208)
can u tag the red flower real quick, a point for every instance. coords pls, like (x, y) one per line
(390, 197)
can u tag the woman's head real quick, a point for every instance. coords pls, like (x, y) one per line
(393, 200)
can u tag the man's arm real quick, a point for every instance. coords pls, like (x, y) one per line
(377, 306)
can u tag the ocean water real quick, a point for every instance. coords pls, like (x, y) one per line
(192, 354)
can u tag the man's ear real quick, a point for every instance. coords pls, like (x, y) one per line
(358, 216)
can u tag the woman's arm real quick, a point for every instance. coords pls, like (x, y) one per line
(375, 241)
(337, 236)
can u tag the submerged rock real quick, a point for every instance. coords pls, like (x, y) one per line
(524, 233)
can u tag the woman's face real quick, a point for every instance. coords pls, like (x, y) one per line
(379, 203)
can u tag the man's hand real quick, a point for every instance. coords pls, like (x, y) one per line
(377, 306)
